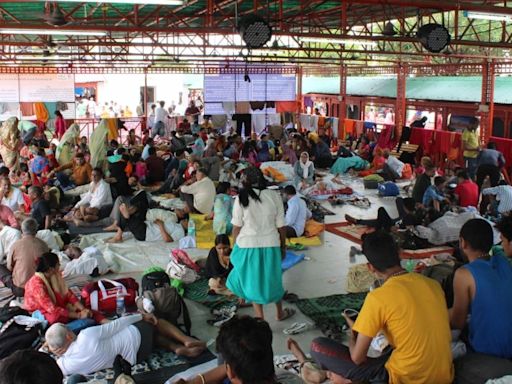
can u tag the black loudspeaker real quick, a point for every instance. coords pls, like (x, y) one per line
(255, 31)
(434, 37)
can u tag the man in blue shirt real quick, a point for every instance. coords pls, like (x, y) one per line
(434, 194)
(483, 290)
(296, 214)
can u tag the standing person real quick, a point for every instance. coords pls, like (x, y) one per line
(60, 125)
(471, 145)
(161, 116)
(490, 161)
(151, 118)
(260, 243)
(419, 332)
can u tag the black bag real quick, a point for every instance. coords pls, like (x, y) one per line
(443, 274)
(154, 280)
(14, 337)
(169, 305)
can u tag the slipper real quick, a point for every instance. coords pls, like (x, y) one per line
(296, 246)
(297, 328)
(287, 313)
(291, 298)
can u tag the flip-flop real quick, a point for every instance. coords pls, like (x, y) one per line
(297, 328)
(296, 246)
(290, 297)
(287, 313)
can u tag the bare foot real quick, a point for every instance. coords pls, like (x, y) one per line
(189, 352)
(115, 239)
(111, 228)
(295, 349)
(337, 379)
(190, 342)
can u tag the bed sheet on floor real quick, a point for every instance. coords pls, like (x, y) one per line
(205, 237)
(132, 255)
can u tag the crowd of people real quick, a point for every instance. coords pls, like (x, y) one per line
(219, 175)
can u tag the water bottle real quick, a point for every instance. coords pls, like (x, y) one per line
(120, 308)
(191, 230)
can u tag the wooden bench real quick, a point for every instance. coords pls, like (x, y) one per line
(407, 148)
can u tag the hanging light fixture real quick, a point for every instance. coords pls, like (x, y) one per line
(255, 31)
(434, 37)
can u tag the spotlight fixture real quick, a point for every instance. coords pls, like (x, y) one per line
(434, 37)
(389, 29)
(255, 31)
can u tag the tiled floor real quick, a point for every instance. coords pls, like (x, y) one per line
(324, 274)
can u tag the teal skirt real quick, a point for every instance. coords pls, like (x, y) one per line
(257, 276)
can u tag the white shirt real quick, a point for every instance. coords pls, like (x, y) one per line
(297, 214)
(97, 196)
(8, 236)
(204, 194)
(14, 200)
(395, 164)
(161, 114)
(97, 347)
(175, 230)
(259, 221)
(503, 195)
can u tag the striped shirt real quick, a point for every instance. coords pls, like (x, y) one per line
(503, 195)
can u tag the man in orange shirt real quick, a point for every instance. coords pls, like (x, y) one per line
(81, 172)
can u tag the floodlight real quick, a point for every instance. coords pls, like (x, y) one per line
(255, 31)
(434, 37)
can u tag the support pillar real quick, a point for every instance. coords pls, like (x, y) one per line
(343, 100)
(487, 103)
(300, 99)
(400, 111)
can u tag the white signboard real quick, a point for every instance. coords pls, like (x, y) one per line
(47, 87)
(9, 90)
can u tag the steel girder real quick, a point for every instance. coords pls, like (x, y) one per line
(158, 35)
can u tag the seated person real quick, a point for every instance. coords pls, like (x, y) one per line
(322, 154)
(244, 345)
(393, 167)
(28, 366)
(483, 291)
(40, 210)
(218, 266)
(466, 191)
(156, 167)
(434, 195)
(10, 196)
(48, 293)
(118, 178)
(222, 210)
(304, 171)
(81, 173)
(297, 213)
(95, 203)
(408, 216)
(423, 182)
(133, 218)
(132, 337)
(200, 195)
(419, 334)
(8, 236)
(376, 165)
(503, 194)
(22, 258)
(7, 217)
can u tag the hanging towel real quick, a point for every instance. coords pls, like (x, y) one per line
(41, 112)
(112, 129)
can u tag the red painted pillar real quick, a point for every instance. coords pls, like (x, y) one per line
(400, 111)
(487, 103)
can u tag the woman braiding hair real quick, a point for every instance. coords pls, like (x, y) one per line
(260, 243)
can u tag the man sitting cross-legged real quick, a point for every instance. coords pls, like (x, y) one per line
(411, 311)
(132, 337)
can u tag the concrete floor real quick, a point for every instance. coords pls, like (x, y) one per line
(324, 274)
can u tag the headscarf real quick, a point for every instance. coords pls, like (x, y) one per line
(98, 146)
(10, 143)
(64, 152)
(305, 166)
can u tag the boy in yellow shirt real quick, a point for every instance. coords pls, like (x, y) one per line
(411, 311)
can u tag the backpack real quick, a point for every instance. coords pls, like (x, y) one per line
(443, 274)
(168, 303)
(14, 337)
(388, 189)
(153, 280)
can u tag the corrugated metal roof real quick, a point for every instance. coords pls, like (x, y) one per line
(465, 89)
